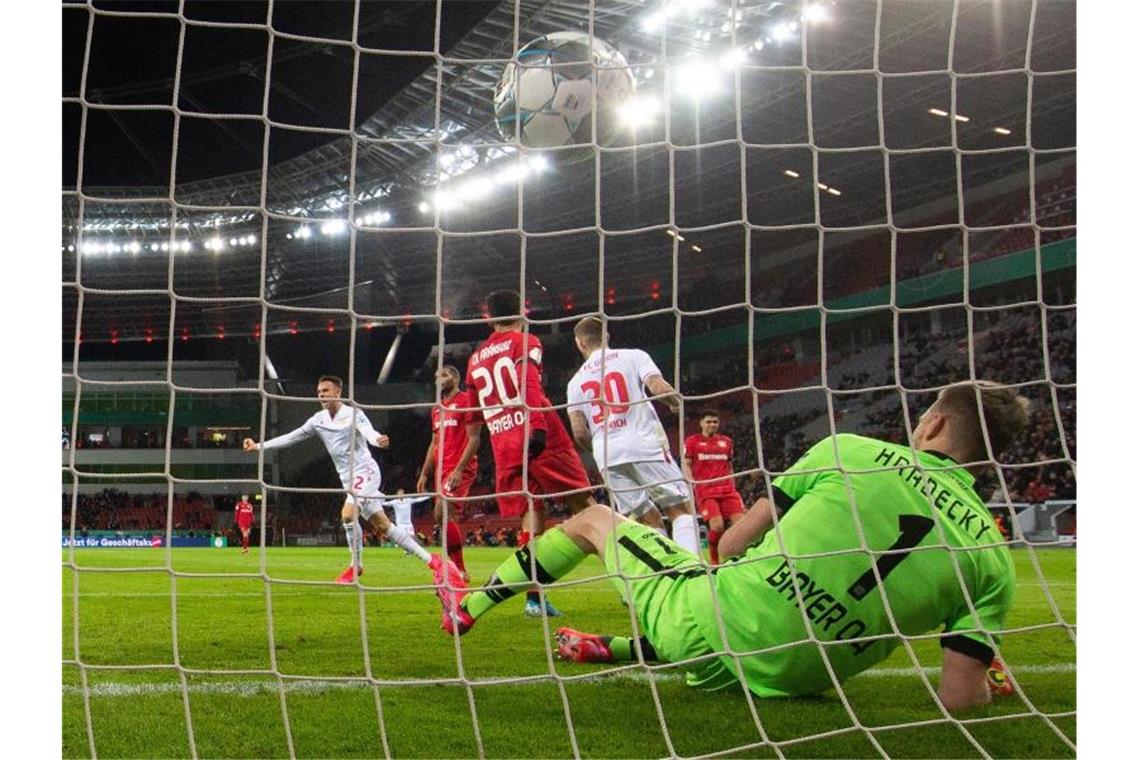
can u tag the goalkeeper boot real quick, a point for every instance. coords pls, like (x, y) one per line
(998, 679)
(348, 577)
(582, 647)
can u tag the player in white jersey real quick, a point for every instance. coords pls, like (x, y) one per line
(346, 433)
(611, 415)
(402, 509)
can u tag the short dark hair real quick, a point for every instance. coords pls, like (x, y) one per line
(590, 330)
(709, 413)
(331, 379)
(1003, 410)
(504, 306)
(450, 369)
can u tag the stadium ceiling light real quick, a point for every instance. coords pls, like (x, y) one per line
(960, 117)
(1002, 131)
(538, 163)
(816, 12)
(639, 111)
(792, 174)
(821, 186)
(758, 45)
(783, 32)
(697, 79)
(937, 112)
(424, 207)
(834, 191)
(288, 235)
(733, 58)
(696, 248)
(333, 227)
(304, 233)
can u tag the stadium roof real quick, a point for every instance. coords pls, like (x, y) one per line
(316, 173)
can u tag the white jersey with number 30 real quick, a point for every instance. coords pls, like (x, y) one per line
(608, 390)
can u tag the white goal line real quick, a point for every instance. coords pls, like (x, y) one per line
(251, 688)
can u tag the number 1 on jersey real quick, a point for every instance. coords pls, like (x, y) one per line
(912, 529)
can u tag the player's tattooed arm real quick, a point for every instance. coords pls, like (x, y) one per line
(660, 388)
(580, 428)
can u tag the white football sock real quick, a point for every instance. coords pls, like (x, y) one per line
(407, 542)
(685, 533)
(353, 533)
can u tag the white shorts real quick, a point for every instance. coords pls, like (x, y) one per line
(365, 492)
(637, 486)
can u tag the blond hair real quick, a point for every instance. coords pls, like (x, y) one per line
(1004, 412)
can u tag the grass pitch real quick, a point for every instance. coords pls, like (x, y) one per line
(229, 629)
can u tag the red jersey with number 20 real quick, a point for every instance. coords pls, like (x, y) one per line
(710, 458)
(505, 376)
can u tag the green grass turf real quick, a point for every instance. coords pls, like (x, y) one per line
(224, 626)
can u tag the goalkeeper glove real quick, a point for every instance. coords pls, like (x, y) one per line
(999, 681)
(537, 444)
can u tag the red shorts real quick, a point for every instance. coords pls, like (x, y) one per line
(462, 490)
(726, 504)
(243, 525)
(553, 471)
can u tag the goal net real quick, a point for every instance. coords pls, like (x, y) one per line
(813, 217)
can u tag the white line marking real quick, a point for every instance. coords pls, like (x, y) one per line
(254, 688)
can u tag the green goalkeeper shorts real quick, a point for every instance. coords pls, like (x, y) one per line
(657, 578)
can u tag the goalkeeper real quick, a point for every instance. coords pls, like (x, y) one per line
(809, 589)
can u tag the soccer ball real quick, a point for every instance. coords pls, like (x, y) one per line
(549, 94)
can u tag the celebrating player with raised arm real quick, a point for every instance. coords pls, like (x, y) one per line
(346, 433)
(611, 415)
(505, 374)
(451, 456)
(402, 510)
(871, 541)
(243, 518)
(708, 465)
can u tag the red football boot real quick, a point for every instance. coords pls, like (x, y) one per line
(450, 587)
(346, 578)
(999, 680)
(582, 647)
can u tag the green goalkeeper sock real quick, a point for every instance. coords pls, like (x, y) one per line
(555, 554)
(624, 650)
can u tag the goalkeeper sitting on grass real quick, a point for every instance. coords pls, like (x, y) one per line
(861, 542)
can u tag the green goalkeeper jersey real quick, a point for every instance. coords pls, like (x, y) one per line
(929, 535)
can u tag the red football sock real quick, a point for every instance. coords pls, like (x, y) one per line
(455, 545)
(245, 542)
(714, 541)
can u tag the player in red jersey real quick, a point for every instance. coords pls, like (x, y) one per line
(451, 456)
(243, 517)
(505, 376)
(708, 465)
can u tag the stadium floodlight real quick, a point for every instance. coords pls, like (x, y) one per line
(834, 191)
(304, 233)
(639, 111)
(937, 112)
(333, 227)
(960, 117)
(1002, 131)
(186, 246)
(816, 13)
(733, 58)
(792, 174)
(697, 248)
(697, 79)
(538, 163)
(758, 45)
(783, 32)
(506, 176)
(424, 207)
